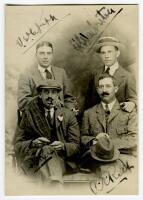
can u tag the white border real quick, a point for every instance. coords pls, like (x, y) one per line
(2, 100)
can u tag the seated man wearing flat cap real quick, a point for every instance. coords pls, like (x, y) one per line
(106, 125)
(108, 49)
(47, 140)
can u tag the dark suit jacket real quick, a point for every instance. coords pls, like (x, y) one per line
(34, 125)
(122, 126)
(126, 87)
(31, 78)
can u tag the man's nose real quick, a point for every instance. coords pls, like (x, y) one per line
(106, 55)
(104, 89)
(45, 55)
(50, 94)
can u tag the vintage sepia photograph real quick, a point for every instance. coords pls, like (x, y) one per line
(71, 99)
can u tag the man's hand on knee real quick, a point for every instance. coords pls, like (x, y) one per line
(58, 145)
(40, 141)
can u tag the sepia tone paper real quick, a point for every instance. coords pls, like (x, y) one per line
(73, 31)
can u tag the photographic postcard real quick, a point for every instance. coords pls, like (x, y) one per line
(73, 31)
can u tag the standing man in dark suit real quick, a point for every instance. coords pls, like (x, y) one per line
(46, 142)
(43, 70)
(109, 51)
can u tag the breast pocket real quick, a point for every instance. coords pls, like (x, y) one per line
(122, 127)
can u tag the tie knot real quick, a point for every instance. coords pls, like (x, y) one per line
(107, 109)
(107, 70)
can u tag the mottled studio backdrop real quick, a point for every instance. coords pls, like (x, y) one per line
(73, 30)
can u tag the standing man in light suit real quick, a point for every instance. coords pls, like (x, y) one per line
(43, 70)
(108, 49)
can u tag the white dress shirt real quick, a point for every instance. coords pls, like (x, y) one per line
(42, 71)
(110, 105)
(51, 112)
(113, 68)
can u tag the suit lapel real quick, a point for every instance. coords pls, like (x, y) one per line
(60, 124)
(118, 75)
(114, 112)
(36, 75)
(55, 73)
(101, 115)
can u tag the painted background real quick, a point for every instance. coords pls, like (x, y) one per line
(72, 30)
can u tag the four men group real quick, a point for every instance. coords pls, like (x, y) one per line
(48, 142)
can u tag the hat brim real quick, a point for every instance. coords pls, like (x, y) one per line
(39, 88)
(115, 157)
(116, 44)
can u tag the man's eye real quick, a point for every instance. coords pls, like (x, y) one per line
(102, 53)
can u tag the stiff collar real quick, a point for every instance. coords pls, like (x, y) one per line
(42, 69)
(110, 105)
(51, 112)
(113, 68)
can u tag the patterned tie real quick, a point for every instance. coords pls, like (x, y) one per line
(49, 118)
(48, 74)
(107, 113)
(107, 70)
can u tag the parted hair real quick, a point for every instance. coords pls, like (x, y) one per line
(106, 75)
(44, 43)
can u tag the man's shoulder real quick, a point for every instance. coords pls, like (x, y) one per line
(98, 69)
(59, 69)
(65, 111)
(29, 70)
(123, 71)
(32, 104)
(93, 109)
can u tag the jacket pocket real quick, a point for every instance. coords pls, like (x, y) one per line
(121, 130)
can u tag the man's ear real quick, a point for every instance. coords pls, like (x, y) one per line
(118, 53)
(116, 89)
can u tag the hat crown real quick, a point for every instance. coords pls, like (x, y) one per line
(108, 39)
(49, 84)
(104, 148)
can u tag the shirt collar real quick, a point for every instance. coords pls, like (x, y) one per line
(51, 111)
(42, 69)
(110, 105)
(113, 68)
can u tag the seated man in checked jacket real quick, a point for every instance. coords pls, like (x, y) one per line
(46, 142)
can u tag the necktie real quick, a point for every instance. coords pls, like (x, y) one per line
(107, 70)
(107, 109)
(107, 112)
(49, 118)
(48, 74)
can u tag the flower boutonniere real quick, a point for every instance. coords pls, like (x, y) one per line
(60, 118)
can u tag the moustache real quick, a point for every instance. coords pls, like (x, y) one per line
(50, 100)
(105, 93)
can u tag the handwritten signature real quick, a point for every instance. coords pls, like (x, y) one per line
(35, 30)
(81, 41)
(111, 177)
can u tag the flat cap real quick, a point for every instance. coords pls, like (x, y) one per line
(49, 84)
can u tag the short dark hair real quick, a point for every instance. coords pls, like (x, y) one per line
(106, 75)
(116, 48)
(44, 43)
